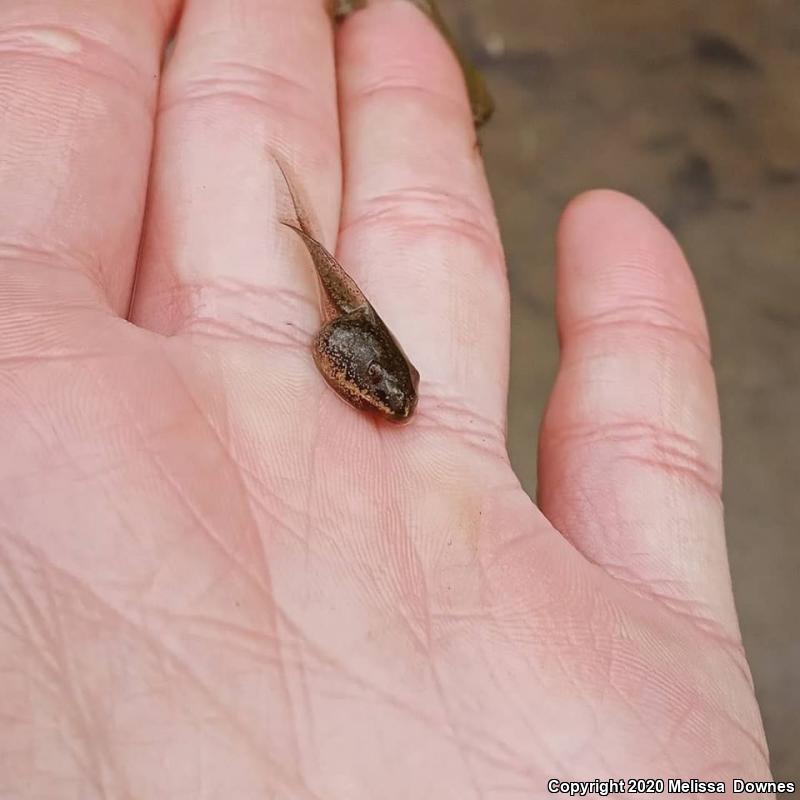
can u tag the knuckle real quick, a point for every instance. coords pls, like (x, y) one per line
(245, 87)
(646, 315)
(652, 445)
(430, 211)
(405, 88)
(64, 48)
(232, 309)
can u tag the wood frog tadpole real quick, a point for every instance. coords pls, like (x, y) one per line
(354, 350)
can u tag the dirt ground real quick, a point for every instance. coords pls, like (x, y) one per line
(694, 108)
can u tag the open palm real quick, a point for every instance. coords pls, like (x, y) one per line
(216, 579)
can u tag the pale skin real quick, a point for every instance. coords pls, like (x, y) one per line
(217, 579)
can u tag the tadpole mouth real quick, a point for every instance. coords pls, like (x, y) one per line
(402, 411)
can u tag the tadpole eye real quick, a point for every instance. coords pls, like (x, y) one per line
(375, 372)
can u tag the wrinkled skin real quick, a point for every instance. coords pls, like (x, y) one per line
(218, 580)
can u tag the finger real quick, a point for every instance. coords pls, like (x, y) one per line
(418, 230)
(78, 85)
(629, 463)
(246, 79)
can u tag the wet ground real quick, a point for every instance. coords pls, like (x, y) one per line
(694, 108)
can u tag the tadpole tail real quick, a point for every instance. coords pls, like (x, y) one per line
(303, 221)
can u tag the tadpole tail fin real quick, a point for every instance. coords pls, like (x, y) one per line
(303, 220)
(340, 293)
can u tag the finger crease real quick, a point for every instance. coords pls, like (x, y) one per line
(652, 445)
(429, 209)
(215, 309)
(288, 104)
(18, 255)
(622, 318)
(90, 54)
(413, 89)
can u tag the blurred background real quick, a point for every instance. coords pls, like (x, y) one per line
(694, 108)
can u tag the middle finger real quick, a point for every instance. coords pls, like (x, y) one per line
(247, 78)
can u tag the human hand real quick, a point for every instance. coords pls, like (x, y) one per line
(216, 579)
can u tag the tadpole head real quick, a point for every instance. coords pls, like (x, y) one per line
(365, 365)
(393, 388)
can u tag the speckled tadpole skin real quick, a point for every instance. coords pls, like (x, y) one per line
(354, 350)
(480, 99)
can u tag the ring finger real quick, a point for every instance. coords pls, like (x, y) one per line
(418, 230)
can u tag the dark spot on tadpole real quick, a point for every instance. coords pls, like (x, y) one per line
(712, 48)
